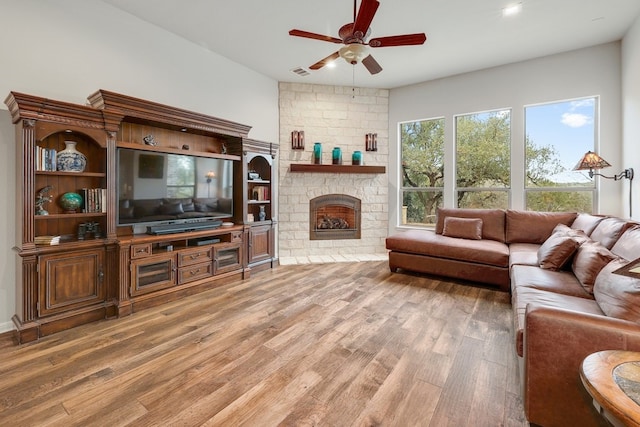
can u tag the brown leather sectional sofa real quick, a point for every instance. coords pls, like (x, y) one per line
(567, 301)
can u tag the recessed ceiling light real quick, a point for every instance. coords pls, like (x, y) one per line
(512, 9)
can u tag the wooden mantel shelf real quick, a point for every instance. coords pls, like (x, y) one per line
(303, 167)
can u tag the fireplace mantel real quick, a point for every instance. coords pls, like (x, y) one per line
(305, 167)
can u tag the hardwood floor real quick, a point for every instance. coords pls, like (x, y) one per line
(345, 344)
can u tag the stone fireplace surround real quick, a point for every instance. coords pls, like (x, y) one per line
(336, 116)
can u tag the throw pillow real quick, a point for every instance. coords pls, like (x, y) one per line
(464, 228)
(618, 296)
(590, 258)
(556, 251)
(171, 209)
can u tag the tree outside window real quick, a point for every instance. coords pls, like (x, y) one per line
(422, 168)
(483, 158)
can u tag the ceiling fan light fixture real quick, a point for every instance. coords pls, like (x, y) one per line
(354, 52)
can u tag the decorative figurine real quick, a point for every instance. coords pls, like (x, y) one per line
(89, 228)
(43, 198)
(149, 140)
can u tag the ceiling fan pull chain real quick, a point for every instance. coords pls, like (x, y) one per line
(353, 84)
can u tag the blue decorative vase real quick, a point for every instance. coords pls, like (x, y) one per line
(71, 202)
(70, 159)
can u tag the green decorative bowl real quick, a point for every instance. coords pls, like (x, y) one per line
(71, 202)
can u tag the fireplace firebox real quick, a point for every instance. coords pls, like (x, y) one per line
(334, 217)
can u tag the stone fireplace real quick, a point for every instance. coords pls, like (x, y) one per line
(334, 217)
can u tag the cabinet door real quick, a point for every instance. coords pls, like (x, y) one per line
(70, 280)
(227, 257)
(153, 273)
(259, 243)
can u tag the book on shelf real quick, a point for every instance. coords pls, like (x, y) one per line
(46, 159)
(95, 200)
(260, 193)
(47, 240)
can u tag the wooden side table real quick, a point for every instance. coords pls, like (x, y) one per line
(612, 378)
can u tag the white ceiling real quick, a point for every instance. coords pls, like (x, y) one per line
(462, 35)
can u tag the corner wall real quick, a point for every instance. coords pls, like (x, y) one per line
(631, 108)
(336, 116)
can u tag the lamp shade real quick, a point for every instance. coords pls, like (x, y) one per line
(591, 161)
(354, 52)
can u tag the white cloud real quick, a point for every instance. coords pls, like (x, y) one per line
(587, 102)
(575, 120)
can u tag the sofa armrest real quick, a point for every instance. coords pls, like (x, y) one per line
(556, 342)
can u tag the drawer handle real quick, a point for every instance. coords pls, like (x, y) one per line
(139, 251)
(196, 256)
(194, 272)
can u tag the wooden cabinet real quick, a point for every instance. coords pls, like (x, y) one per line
(96, 269)
(260, 202)
(64, 284)
(153, 273)
(67, 283)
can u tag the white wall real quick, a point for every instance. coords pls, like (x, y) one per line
(68, 49)
(631, 108)
(586, 72)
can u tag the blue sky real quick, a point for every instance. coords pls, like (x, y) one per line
(568, 126)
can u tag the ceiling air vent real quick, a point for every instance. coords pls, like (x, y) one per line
(300, 71)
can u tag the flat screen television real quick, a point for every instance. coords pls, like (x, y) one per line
(160, 188)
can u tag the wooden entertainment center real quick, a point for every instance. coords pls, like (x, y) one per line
(101, 270)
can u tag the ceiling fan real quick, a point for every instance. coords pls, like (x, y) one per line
(354, 37)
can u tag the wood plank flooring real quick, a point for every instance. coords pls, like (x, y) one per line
(345, 344)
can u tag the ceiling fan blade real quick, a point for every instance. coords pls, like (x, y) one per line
(366, 13)
(325, 61)
(404, 40)
(371, 65)
(308, 35)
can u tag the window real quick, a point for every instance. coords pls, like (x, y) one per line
(181, 176)
(422, 169)
(557, 136)
(483, 174)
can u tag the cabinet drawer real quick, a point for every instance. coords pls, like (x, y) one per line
(195, 256)
(141, 250)
(236, 236)
(195, 272)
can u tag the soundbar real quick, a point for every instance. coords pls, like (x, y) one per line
(183, 228)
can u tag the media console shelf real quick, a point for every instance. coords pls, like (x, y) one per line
(166, 267)
(305, 167)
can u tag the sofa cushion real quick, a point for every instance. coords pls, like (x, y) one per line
(492, 220)
(559, 282)
(528, 295)
(556, 251)
(586, 222)
(204, 204)
(628, 245)
(590, 258)
(464, 228)
(534, 227)
(426, 242)
(618, 296)
(609, 230)
(523, 254)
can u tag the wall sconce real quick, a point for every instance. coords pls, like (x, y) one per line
(297, 140)
(209, 175)
(371, 142)
(591, 161)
